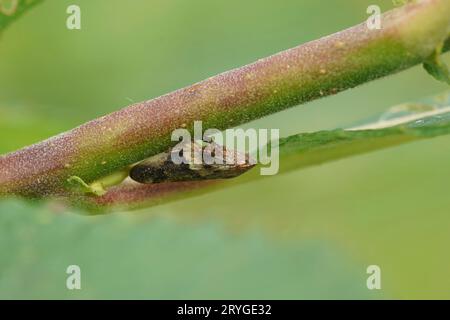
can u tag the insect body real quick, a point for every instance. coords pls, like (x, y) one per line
(162, 168)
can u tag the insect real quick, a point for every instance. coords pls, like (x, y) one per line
(161, 167)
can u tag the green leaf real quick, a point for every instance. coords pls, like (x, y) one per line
(126, 256)
(423, 121)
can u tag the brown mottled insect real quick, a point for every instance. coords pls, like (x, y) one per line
(161, 168)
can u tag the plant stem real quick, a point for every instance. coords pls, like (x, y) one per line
(409, 35)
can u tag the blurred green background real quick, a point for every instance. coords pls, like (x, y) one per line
(307, 234)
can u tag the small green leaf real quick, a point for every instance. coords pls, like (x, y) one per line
(436, 67)
(93, 188)
(99, 187)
